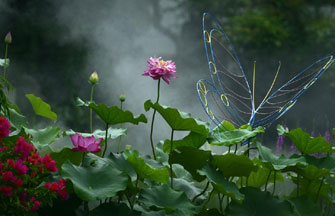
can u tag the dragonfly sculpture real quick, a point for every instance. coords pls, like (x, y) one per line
(229, 96)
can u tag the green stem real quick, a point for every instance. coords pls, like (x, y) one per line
(248, 154)
(267, 180)
(91, 100)
(318, 194)
(86, 209)
(297, 185)
(134, 200)
(152, 122)
(202, 192)
(274, 182)
(220, 202)
(103, 154)
(5, 66)
(209, 197)
(82, 158)
(235, 149)
(120, 140)
(171, 149)
(228, 149)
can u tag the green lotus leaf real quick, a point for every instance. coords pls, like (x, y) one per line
(220, 183)
(178, 120)
(41, 108)
(192, 139)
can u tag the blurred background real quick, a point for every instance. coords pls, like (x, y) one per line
(58, 44)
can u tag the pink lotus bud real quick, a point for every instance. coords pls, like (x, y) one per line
(8, 38)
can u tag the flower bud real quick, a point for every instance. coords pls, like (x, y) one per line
(8, 38)
(128, 147)
(122, 97)
(94, 79)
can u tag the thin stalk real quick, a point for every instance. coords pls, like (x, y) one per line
(318, 194)
(267, 180)
(152, 122)
(5, 66)
(103, 154)
(220, 202)
(86, 209)
(82, 158)
(91, 100)
(235, 149)
(228, 149)
(209, 198)
(202, 192)
(120, 140)
(247, 150)
(171, 149)
(134, 200)
(298, 185)
(248, 153)
(274, 183)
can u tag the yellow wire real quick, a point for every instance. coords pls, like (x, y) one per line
(253, 85)
(273, 82)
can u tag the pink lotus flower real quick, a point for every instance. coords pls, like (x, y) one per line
(158, 68)
(84, 144)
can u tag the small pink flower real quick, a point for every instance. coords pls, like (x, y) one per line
(8, 176)
(20, 167)
(4, 127)
(85, 144)
(158, 68)
(36, 204)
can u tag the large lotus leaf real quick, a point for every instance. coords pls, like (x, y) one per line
(43, 137)
(41, 108)
(163, 197)
(220, 183)
(304, 206)
(311, 172)
(113, 209)
(180, 172)
(17, 120)
(307, 144)
(191, 159)
(311, 188)
(65, 154)
(178, 120)
(233, 165)
(122, 164)
(322, 163)
(259, 203)
(258, 178)
(112, 133)
(190, 188)
(232, 137)
(144, 170)
(113, 115)
(95, 182)
(274, 162)
(192, 139)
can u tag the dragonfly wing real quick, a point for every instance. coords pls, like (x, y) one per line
(284, 98)
(228, 96)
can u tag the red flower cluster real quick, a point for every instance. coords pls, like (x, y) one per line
(58, 187)
(22, 171)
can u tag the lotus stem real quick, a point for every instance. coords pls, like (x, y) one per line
(152, 122)
(106, 137)
(318, 194)
(171, 149)
(91, 100)
(267, 180)
(120, 140)
(5, 65)
(274, 182)
(202, 192)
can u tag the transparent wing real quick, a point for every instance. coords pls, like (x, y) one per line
(227, 96)
(283, 99)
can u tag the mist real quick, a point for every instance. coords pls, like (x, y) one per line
(122, 35)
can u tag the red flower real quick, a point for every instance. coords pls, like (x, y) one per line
(4, 127)
(23, 147)
(18, 182)
(6, 190)
(49, 163)
(20, 167)
(36, 204)
(10, 163)
(8, 176)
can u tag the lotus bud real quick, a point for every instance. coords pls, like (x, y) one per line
(128, 147)
(122, 97)
(94, 79)
(8, 38)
